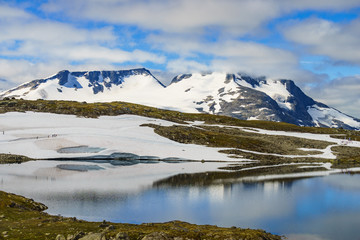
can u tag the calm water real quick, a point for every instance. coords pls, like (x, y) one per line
(314, 208)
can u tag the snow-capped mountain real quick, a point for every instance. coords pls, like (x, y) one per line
(237, 95)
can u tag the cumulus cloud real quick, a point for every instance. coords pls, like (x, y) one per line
(178, 16)
(182, 65)
(333, 5)
(10, 13)
(15, 72)
(230, 56)
(339, 41)
(29, 38)
(231, 16)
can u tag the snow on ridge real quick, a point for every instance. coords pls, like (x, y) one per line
(273, 88)
(134, 88)
(326, 116)
(205, 89)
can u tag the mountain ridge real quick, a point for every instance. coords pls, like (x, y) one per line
(237, 95)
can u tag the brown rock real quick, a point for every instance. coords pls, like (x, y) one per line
(60, 237)
(122, 236)
(156, 236)
(93, 236)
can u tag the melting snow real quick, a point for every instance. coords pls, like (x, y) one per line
(40, 135)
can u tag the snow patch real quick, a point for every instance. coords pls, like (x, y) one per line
(40, 135)
(273, 88)
(327, 116)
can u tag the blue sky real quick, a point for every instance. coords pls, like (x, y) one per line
(315, 43)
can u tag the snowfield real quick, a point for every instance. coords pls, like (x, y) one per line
(41, 135)
(47, 135)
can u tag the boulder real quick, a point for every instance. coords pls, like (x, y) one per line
(93, 236)
(122, 236)
(157, 236)
(60, 237)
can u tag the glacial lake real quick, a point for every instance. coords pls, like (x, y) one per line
(321, 208)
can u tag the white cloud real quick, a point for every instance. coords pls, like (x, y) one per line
(230, 56)
(20, 71)
(15, 72)
(11, 13)
(183, 16)
(231, 16)
(339, 41)
(182, 65)
(36, 48)
(333, 5)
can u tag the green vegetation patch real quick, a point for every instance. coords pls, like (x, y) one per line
(261, 160)
(236, 138)
(11, 158)
(346, 157)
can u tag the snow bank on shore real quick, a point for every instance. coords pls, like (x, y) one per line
(41, 135)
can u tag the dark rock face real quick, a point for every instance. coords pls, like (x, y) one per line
(270, 109)
(180, 77)
(251, 80)
(99, 79)
(255, 104)
(62, 76)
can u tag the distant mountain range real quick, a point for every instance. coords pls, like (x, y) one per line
(236, 95)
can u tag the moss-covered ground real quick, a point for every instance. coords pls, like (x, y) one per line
(11, 158)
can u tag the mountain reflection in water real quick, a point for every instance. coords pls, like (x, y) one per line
(310, 208)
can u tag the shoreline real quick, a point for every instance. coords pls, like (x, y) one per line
(25, 219)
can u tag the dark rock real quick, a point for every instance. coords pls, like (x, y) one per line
(79, 235)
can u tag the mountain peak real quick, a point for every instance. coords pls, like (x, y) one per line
(237, 95)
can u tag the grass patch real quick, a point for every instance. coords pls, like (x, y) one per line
(346, 157)
(11, 158)
(271, 160)
(236, 138)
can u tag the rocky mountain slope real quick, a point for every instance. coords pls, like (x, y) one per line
(237, 95)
